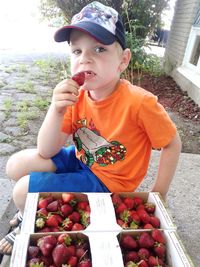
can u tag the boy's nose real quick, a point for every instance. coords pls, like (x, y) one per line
(85, 58)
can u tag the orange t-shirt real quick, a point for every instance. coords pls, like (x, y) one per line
(114, 137)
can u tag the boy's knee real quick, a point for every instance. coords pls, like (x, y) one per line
(11, 167)
(20, 192)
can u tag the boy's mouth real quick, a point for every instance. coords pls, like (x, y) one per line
(89, 74)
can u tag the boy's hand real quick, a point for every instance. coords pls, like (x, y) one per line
(66, 92)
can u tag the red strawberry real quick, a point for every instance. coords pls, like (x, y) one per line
(72, 262)
(72, 250)
(43, 203)
(160, 250)
(42, 212)
(137, 201)
(155, 262)
(69, 198)
(148, 226)
(121, 208)
(122, 223)
(79, 78)
(143, 254)
(82, 205)
(143, 263)
(64, 238)
(135, 217)
(66, 209)
(128, 242)
(46, 244)
(155, 221)
(60, 255)
(75, 216)
(35, 262)
(33, 252)
(116, 199)
(67, 224)
(150, 207)
(52, 221)
(145, 240)
(85, 218)
(144, 216)
(77, 227)
(158, 236)
(129, 202)
(80, 251)
(85, 263)
(47, 260)
(53, 206)
(131, 256)
(125, 216)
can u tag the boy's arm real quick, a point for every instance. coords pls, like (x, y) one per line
(50, 137)
(167, 166)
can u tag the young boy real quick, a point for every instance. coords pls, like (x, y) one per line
(114, 124)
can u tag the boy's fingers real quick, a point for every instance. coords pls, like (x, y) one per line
(68, 87)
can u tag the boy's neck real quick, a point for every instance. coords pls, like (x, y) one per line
(101, 95)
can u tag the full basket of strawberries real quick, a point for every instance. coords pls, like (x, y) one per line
(62, 213)
(132, 212)
(59, 250)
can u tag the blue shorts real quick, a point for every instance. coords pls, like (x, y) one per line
(71, 176)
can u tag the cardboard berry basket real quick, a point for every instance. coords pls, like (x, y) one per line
(105, 248)
(102, 212)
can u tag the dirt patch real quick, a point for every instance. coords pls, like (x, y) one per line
(181, 108)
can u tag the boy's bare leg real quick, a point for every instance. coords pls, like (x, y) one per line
(23, 162)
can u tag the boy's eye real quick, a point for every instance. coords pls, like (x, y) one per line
(76, 51)
(99, 49)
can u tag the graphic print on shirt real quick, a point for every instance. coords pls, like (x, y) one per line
(94, 147)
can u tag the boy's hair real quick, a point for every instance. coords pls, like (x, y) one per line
(101, 22)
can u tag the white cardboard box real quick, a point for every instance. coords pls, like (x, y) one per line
(105, 249)
(102, 216)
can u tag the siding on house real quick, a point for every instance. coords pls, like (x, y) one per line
(184, 16)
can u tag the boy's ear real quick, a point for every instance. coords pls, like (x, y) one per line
(125, 59)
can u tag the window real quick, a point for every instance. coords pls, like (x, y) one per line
(195, 52)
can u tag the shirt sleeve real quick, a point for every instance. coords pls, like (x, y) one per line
(155, 121)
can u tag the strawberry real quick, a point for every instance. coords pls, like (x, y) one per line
(77, 227)
(137, 201)
(33, 252)
(72, 250)
(52, 221)
(85, 218)
(128, 242)
(160, 250)
(116, 200)
(69, 198)
(85, 263)
(82, 205)
(60, 255)
(67, 224)
(42, 212)
(143, 254)
(135, 217)
(121, 208)
(72, 262)
(53, 206)
(133, 225)
(46, 248)
(66, 209)
(155, 262)
(144, 216)
(150, 207)
(158, 236)
(79, 78)
(155, 221)
(40, 222)
(64, 238)
(80, 252)
(131, 256)
(43, 203)
(122, 224)
(126, 216)
(148, 226)
(74, 216)
(129, 202)
(46, 260)
(35, 262)
(143, 263)
(145, 240)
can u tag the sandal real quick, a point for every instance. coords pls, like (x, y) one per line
(16, 220)
(6, 244)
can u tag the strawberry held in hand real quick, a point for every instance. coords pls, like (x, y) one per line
(79, 78)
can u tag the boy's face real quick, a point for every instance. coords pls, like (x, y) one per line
(102, 63)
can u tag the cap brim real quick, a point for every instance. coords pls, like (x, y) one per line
(96, 31)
